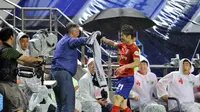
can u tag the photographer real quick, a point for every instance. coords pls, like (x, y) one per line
(92, 97)
(14, 100)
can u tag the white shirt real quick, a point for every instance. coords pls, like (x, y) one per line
(179, 86)
(144, 87)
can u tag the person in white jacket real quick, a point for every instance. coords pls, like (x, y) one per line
(144, 88)
(89, 92)
(78, 106)
(180, 84)
(197, 91)
(28, 85)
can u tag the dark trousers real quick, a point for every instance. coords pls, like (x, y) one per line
(64, 91)
(14, 99)
(108, 108)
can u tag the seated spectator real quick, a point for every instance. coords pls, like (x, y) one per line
(197, 91)
(78, 106)
(180, 84)
(144, 87)
(92, 98)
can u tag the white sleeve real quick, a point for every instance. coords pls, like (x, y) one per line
(155, 83)
(162, 85)
(84, 90)
(133, 94)
(197, 80)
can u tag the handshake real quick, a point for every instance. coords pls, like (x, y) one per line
(99, 36)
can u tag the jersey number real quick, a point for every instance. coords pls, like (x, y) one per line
(120, 87)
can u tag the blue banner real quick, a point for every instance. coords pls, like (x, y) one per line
(1, 102)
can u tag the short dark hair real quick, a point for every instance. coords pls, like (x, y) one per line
(186, 61)
(128, 30)
(144, 61)
(6, 33)
(69, 27)
(25, 36)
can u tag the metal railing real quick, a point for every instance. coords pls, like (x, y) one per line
(9, 25)
(23, 9)
(54, 21)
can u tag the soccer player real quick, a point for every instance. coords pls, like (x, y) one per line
(129, 59)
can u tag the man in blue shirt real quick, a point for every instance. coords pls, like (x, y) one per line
(64, 66)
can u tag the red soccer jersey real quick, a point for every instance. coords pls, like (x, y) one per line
(127, 54)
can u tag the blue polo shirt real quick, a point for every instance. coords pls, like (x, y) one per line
(65, 55)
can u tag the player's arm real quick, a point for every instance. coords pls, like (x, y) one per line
(133, 64)
(109, 42)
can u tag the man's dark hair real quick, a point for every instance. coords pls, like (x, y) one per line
(69, 27)
(128, 30)
(25, 36)
(144, 61)
(6, 33)
(186, 61)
